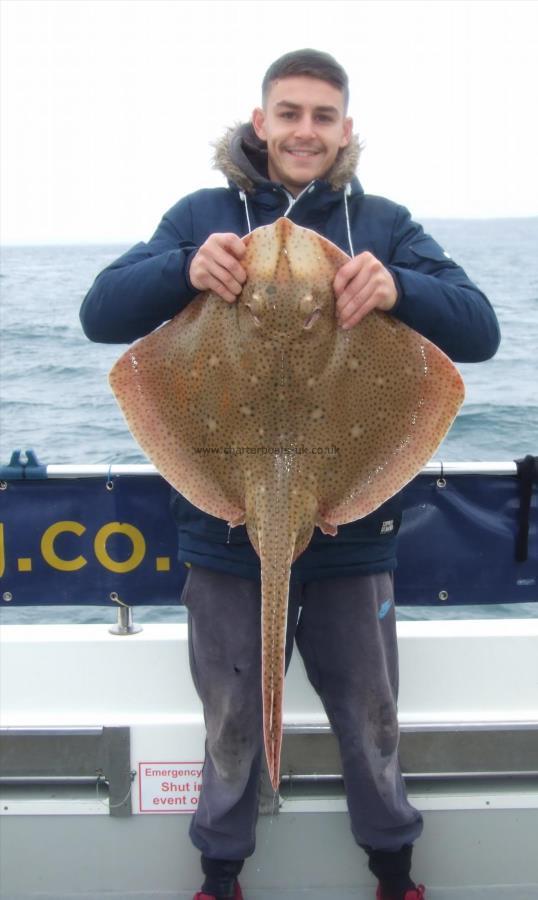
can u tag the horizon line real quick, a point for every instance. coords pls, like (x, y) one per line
(117, 242)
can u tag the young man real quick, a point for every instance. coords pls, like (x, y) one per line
(297, 158)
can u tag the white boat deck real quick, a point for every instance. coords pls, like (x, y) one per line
(60, 840)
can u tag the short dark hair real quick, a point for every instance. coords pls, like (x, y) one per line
(313, 63)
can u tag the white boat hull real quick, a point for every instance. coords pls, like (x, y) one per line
(61, 838)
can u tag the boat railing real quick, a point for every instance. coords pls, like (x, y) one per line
(102, 470)
(105, 535)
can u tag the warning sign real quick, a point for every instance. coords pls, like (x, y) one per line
(171, 787)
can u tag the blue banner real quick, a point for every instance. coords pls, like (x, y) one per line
(97, 541)
(458, 542)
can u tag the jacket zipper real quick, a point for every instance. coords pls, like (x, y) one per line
(293, 200)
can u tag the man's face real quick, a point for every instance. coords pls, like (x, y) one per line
(304, 125)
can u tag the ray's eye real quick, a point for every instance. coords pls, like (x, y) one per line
(255, 307)
(257, 321)
(252, 311)
(312, 319)
(307, 303)
(255, 303)
(309, 309)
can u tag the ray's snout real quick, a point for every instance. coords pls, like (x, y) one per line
(284, 228)
(272, 254)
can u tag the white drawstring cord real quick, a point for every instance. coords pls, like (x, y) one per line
(347, 193)
(243, 197)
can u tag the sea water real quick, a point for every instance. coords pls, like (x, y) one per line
(55, 395)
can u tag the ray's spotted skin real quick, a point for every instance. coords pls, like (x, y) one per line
(265, 412)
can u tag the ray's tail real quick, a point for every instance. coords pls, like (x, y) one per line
(275, 541)
(275, 591)
(280, 521)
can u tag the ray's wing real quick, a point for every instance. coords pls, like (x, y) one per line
(175, 387)
(375, 411)
(391, 397)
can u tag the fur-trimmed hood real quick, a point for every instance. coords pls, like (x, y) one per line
(242, 157)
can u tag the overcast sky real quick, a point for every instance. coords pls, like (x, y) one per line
(109, 108)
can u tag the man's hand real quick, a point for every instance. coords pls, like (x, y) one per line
(362, 284)
(216, 267)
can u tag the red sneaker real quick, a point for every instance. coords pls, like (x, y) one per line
(418, 893)
(201, 896)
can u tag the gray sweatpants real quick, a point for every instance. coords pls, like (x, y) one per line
(345, 630)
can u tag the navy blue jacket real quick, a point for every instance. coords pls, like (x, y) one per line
(150, 284)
